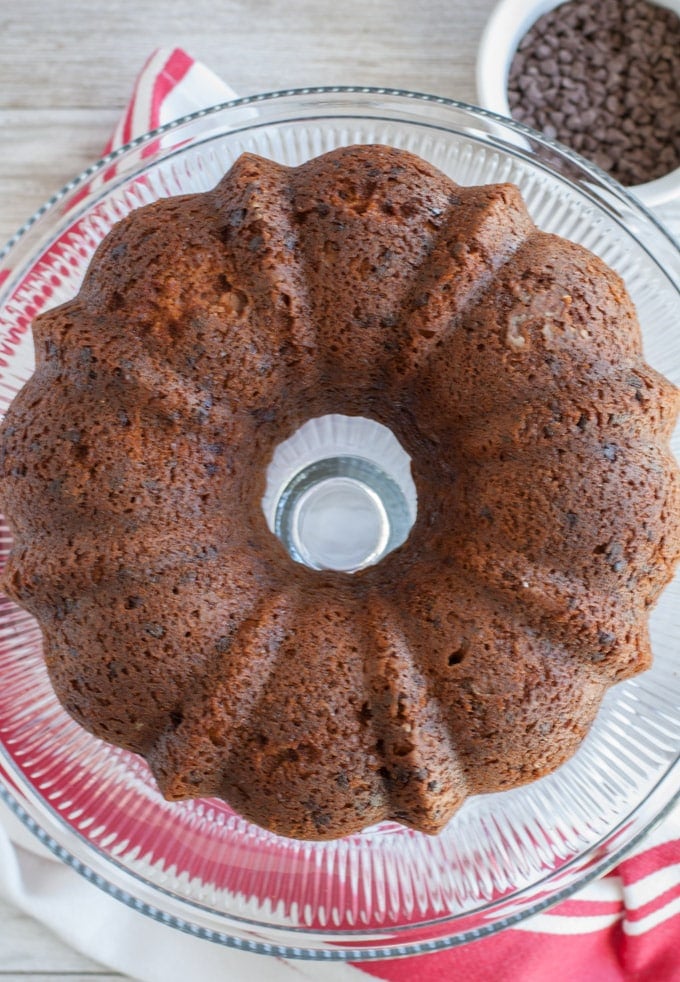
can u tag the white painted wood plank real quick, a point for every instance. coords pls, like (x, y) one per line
(85, 55)
(66, 74)
(40, 150)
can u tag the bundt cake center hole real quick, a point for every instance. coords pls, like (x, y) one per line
(340, 495)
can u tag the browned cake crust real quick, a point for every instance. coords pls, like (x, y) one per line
(508, 364)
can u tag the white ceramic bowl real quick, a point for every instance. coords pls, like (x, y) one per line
(509, 22)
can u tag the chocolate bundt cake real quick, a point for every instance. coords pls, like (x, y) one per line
(506, 361)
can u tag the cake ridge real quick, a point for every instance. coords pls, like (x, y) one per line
(582, 619)
(250, 666)
(253, 200)
(461, 226)
(423, 777)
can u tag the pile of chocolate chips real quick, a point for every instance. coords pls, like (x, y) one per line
(603, 77)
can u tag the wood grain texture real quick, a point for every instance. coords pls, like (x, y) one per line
(66, 71)
(86, 54)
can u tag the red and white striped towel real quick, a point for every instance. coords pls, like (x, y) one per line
(171, 84)
(624, 927)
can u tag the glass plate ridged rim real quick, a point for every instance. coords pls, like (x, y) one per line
(594, 861)
(406, 947)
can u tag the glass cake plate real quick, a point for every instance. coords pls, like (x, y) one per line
(389, 891)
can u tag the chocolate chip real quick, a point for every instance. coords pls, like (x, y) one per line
(593, 75)
(237, 217)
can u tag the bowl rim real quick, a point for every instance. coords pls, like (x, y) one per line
(11, 794)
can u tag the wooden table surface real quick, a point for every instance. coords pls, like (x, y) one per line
(66, 70)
